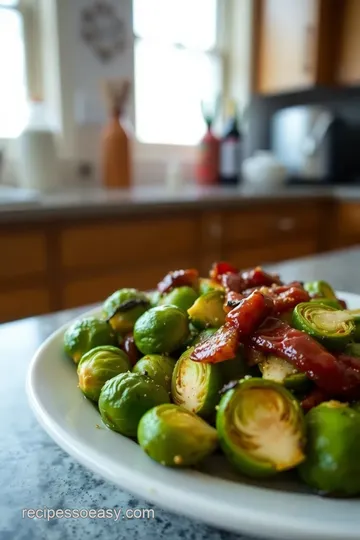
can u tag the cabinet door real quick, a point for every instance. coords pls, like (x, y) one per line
(349, 54)
(287, 35)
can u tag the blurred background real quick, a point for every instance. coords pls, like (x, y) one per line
(141, 136)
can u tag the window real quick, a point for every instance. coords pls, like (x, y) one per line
(13, 109)
(177, 65)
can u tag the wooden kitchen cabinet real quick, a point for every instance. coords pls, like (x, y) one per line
(294, 44)
(348, 65)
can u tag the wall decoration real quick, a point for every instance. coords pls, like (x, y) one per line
(103, 30)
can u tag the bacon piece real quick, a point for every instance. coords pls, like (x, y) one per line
(130, 348)
(258, 277)
(249, 314)
(219, 347)
(336, 376)
(218, 269)
(313, 399)
(232, 300)
(178, 278)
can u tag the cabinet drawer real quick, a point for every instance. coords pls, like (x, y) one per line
(245, 258)
(349, 220)
(265, 223)
(23, 253)
(110, 244)
(23, 303)
(79, 292)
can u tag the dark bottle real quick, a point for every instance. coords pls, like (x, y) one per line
(231, 151)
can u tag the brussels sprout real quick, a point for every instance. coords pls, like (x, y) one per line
(182, 297)
(332, 462)
(279, 370)
(154, 297)
(161, 330)
(206, 285)
(124, 307)
(85, 334)
(175, 437)
(320, 289)
(196, 385)
(208, 310)
(356, 406)
(332, 302)
(158, 367)
(125, 398)
(98, 366)
(324, 323)
(261, 428)
(203, 336)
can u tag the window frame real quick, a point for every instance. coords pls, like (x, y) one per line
(156, 151)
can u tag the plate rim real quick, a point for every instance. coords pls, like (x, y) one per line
(247, 521)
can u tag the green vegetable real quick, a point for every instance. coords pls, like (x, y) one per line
(320, 288)
(279, 370)
(175, 437)
(154, 298)
(124, 399)
(328, 302)
(261, 428)
(124, 307)
(196, 385)
(208, 310)
(206, 285)
(323, 323)
(203, 335)
(158, 367)
(162, 329)
(353, 349)
(85, 334)
(332, 462)
(182, 297)
(356, 406)
(98, 366)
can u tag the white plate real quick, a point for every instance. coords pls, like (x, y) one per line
(216, 495)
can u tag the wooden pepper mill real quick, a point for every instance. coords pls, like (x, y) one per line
(115, 143)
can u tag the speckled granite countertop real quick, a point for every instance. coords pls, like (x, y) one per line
(36, 473)
(96, 202)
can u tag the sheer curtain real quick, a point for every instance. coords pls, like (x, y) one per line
(13, 108)
(177, 65)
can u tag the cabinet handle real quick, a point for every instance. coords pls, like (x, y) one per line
(308, 64)
(286, 224)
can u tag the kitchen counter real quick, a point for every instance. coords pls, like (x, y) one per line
(36, 473)
(77, 203)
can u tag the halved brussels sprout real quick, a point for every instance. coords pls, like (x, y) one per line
(161, 330)
(124, 307)
(324, 323)
(124, 399)
(332, 464)
(175, 437)
(85, 334)
(261, 428)
(279, 370)
(208, 310)
(332, 302)
(206, 285)
(182, 297)
(320, 289)
(158, 367)
(98, 366)
(196, 385)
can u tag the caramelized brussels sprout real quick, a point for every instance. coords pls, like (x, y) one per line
(195, 385)
(206, 285)
(125, 398)
(158, 367)
(332, 464)
(208, 310)
(181, 297)
(85, 334)
(161, 330)
(98, 366)
(279, 370)
(323, 323)
(175, 437)
(261, 428)
(124, 307)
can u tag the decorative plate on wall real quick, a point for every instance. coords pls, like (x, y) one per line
(103, 30)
